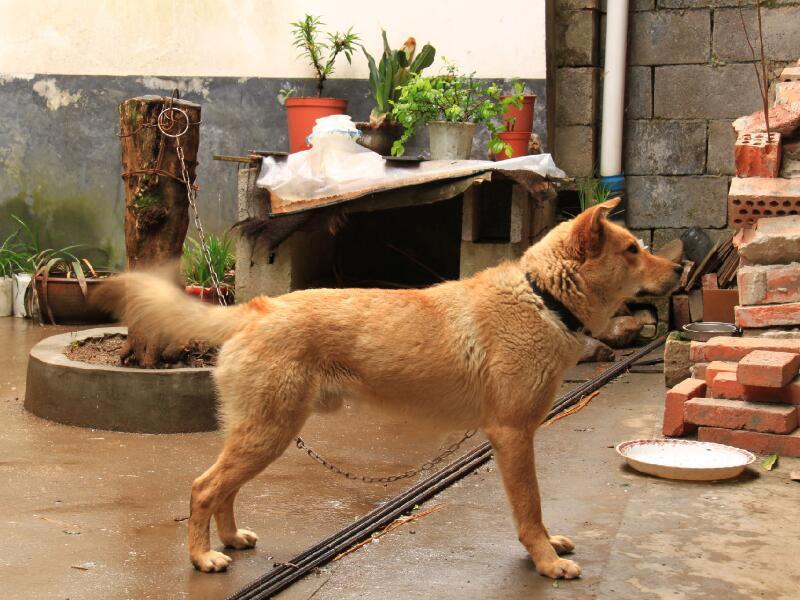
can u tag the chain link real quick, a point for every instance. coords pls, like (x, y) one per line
(426, 466)
(165, 125)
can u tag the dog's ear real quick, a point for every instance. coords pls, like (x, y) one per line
(587, 229)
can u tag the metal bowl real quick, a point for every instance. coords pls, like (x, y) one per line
(702, 332)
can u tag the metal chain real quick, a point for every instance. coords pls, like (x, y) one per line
(165, 126)
(426, 466)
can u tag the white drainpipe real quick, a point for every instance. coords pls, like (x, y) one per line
(614, 95)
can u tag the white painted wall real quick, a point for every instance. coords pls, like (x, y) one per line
(251, 38)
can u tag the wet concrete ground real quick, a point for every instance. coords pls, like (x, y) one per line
(112, 504)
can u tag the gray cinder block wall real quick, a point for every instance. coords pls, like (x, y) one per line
(689, 76)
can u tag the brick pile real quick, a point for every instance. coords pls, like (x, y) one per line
(744, 392)
(769, 273)
(767, 166)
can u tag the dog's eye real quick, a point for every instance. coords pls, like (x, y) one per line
(633, 248)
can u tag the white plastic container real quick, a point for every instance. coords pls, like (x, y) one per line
(21, 283)
(6, 296)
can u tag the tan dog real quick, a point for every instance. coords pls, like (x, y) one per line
(489, 351)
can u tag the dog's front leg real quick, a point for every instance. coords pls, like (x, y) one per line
(513, 450)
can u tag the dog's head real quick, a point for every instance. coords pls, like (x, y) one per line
(609, 257)
(604, 259)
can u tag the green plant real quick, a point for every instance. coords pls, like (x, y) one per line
(196, 270)
(453, 97)
(591, 191)
(12, 257)
(392, 72)
(322, 55)
(35, 257)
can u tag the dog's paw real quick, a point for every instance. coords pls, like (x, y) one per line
(240, 540)
(560, 568)
(561, 544)
(211, 561)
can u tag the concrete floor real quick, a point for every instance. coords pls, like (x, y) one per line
(108, 502)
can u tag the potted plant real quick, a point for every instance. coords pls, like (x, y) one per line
(303, 112)
(517, 124)
(196, 271)
(55, 283)
(452, 105)
(64, 291)
(385, 80)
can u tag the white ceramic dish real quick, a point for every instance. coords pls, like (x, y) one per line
(685, 459)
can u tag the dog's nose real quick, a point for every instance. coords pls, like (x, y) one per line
(678, 269)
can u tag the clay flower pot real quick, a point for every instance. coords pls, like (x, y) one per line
(209, 294)
(302, 115)
(378, 139)
(62, 301)
(522, 118)
(518, 140)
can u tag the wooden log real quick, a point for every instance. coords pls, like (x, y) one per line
(156, 203)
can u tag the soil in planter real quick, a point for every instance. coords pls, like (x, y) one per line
(106, 351)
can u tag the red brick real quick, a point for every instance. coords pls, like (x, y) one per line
(787, 92)
(698, 371)
(791, 73)
(697, 352)
(768, 315)
(710, 281)
(680, 311)
(768, 284)
(753, 198)
(782, 119)
(761, 443)
(715, 367)
(725, 385)
(766, 368)
(757, 155)
(687, 389)
(736, 348)
(735, 414)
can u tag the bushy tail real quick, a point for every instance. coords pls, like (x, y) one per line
(161, 311)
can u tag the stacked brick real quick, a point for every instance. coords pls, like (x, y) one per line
(744, 392)
(769, 275)
(767, 166)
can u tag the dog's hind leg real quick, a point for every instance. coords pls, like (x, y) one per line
(251, 445)
(513, 450)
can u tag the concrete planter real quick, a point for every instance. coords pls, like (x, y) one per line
(451, 141)
(21, 283)
(6, 296)
(116, 398)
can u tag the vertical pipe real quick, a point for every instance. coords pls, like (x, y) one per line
(614, 88)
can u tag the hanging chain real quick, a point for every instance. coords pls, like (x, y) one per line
(426, 466)
(166, 123)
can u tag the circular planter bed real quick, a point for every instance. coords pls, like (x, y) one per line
(106, 396)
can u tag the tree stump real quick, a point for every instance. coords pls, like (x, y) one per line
(156, 203)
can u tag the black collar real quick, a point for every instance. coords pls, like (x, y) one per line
(567, 317)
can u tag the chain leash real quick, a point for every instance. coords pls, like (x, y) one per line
(166, 123)
(426, 466)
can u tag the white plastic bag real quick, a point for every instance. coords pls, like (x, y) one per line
(334, 158)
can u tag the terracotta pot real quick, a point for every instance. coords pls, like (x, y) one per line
(379, 140)
(450, 141)
(523, 116)
(63, 301)
(518, 140)
(302, 115)
(209, 294)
